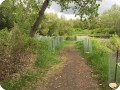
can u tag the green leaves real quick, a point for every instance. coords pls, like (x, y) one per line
(25, 12)
(111, 19)
(53, 26)
(83, 8)
(6, 17)
(115, 41)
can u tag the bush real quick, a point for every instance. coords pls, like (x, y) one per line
(13, 46)
(16, 69)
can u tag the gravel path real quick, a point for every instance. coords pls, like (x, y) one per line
(75, 75)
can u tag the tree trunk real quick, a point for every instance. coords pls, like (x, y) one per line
(39, 19)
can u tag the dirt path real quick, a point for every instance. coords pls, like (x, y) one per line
(75, 74)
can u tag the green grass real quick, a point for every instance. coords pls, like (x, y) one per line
(46, 58)
(98, 59)
(9, 84)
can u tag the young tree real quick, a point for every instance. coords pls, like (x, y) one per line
(84, 8)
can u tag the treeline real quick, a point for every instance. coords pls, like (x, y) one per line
(52, 25)
(24, 17)
(107, 23)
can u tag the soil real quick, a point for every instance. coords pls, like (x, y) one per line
(75, 74)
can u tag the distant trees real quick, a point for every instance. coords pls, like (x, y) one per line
(82, 8)
(107, 23)
(51, 25)
(111, 19)
(29, 13)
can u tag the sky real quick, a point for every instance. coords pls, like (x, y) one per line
(104, 5)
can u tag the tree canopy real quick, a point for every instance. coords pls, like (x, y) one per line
(108, 22)
(28, 14)
(83, 8)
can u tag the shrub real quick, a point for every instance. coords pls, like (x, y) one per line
(13, 46)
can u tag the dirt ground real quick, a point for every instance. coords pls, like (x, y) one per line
(74, 75)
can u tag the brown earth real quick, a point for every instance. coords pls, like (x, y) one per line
(75, 74)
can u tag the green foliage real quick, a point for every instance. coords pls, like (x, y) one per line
(115, 41)
(3, 36)
(13, 46)
(24, 13)
(17, 45)
(103, 25)
(3, 42)
(51, 26)
(98, 58)
(109, 18)
(6, 17)
(46, 55)
(21, 12)
(83, 8)
(22, 82)
(22, 40)
(71, 38)
(108, 23)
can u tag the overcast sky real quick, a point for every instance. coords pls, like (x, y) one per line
(105, 5)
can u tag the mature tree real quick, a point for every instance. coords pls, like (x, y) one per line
(26, 10)
(77, 23)
(111, 19)
(65, 27)
(23, 11)
(51, 25)
(84, 8)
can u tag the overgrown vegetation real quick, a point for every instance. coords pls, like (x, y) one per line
(24, 59)
(98, 59)
(103, 25)
(14, 46)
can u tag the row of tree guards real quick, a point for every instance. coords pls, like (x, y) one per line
(114, 70)
(87, 43)
(114, 67)
(54, 41)
(113, 61)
